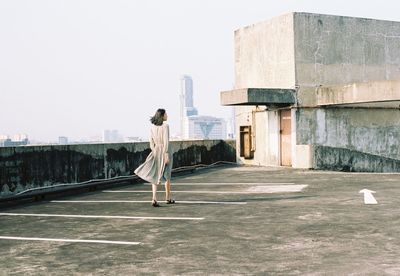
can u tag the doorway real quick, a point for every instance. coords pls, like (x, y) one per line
(245, 142)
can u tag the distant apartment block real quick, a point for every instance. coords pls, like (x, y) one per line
(204, 127)
(112, 136)
(17, 140)
(62, 140)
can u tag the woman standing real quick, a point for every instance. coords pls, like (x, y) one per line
(158, 164)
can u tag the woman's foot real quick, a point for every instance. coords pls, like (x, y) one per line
(170, 201)
(154, 203)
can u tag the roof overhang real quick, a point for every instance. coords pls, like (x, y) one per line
(259, 96)
(367, 94)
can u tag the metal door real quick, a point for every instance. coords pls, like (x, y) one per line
(245, 142)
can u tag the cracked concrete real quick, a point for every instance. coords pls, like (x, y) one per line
(325, 229)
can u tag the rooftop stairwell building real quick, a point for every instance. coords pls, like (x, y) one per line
(318, 91)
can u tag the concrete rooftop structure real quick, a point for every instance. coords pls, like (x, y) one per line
(259, 96)
(318, 91)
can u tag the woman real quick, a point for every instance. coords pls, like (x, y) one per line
(158, 164)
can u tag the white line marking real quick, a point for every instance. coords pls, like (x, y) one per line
(147, 201)
(252, 190)
(277, 188)
(368, 197)
(68, 240)
(95, 216)
(211, 202)
(189, 192)
(227, 184)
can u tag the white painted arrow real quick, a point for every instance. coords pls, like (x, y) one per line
(368, 197)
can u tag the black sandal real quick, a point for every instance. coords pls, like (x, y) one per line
(155, 203)
(170, 201)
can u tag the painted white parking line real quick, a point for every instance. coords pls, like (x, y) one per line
(95, 216)
(147, 201)
(252, 190)
(67, 240)
(277, 188)
(229, 184)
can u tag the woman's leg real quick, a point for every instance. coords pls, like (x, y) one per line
(167, 190)
(154, 188)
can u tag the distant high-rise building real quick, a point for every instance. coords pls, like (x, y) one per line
(4, 139)
(204, 127)
(17, 140)
(112, 136)
(186, 99)
(19, 137)
(194, 126)
(62, 140)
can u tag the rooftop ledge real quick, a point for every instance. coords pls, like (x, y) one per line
(259, 96)
(369, 94)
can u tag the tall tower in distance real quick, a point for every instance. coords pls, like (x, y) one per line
(194, 126)
(186, 100)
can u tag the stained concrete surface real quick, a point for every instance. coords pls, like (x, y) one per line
(326, 229)
(24, 168)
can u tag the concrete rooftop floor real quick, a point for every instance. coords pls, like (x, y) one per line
(264, 227)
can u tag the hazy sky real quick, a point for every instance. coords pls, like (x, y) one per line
(76, 67)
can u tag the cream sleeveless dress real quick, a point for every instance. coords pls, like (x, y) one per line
(154, 170)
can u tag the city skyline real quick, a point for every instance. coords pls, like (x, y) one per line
(74, 69)
(187, 111)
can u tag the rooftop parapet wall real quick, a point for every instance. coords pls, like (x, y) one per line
(23, 168)
(348, 160)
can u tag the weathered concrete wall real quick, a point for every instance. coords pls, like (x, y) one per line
(261, 138)
(338, 51)
(28, 167)
(367, 94)
(264, 58)
(331, 50)
(266, 139)
(372, 132)
(264, 54)
(273, 129)
(347, 160)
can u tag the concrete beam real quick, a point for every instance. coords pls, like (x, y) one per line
(371, 94)
(259, 96)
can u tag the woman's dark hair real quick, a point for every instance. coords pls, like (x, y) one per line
(158, 118)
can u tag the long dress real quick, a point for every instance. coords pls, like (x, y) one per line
(154, 169)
